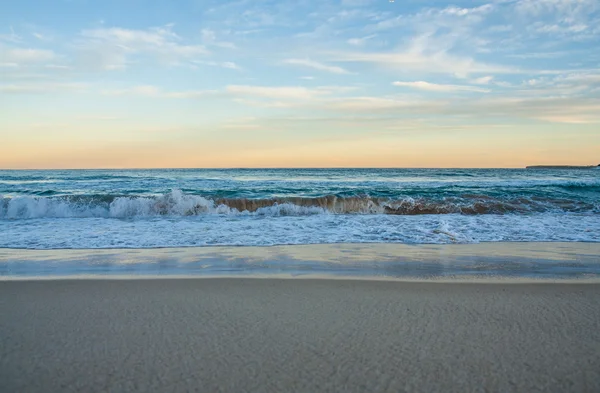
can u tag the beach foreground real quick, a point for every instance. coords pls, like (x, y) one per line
(273, 335)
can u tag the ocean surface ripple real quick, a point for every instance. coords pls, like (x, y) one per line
(200, 207)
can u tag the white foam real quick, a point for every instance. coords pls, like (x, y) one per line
(272, 229)
(175, 203)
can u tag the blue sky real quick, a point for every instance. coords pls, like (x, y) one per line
(299, 83)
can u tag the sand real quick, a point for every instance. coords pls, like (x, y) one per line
(376, 260)
(270, 335)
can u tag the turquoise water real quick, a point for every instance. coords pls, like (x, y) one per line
(201, 207)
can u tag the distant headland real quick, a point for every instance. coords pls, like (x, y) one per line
(562, 167)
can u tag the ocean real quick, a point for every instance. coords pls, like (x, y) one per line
(158, 208)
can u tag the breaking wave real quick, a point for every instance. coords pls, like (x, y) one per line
(177, 203)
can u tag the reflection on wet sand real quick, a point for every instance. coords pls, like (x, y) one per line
(541, 260)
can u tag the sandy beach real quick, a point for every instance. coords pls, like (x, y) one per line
(273, 335)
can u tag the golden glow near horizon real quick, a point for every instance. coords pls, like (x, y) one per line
(361, 84)
(410, 149)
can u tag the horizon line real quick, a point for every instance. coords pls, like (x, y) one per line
(254, 168)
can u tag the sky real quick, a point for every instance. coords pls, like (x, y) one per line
(305, 83)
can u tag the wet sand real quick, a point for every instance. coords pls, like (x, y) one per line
(383, 260)
(273, 335)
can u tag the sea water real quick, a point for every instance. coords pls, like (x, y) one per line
(152, 208)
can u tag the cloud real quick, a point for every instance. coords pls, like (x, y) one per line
(110, 48)
(421, 85)
(57, 67)
(155, 92)
(230, 65)
(264, 96)
(360, 41)
(564, 84)
(571, 110)
(11, 37)
(567, 9)
(42, 88)
(209, 37)
(484, 80)
(223, 64)
(387, 106)
(145, 90)
(21, 56)
(316, 65)
(99, 118)
(437, 36)
(575, 18)
(540, 55)
(430, 19)
(284, 96)
(280, 92)
(356, 3)
(500, 28)
(416, 60)
(569, 119)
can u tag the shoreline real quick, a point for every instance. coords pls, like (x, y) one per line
(387, 261)
(248, 246)
(465, 280)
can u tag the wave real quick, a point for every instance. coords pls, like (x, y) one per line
(177, 203)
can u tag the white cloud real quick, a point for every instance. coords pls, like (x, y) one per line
(223, 64)
(356, 3)
(42, 37)
(484, 80)
(155, 92)
(99, 118)
(360, 41)
(540, 55)
(230, 65)
(568, 9)
(153, 37)
(266, 96)
(500, 28)
(209, 37)
(25, 56)
(541, 27)
(416, 59)
(280, 92)
(581, 77)
(41, 88)
(552, 109)
(284, 96)
(569, 119)
(510, 108)
(109, 48)
(57, 67)
(316, 65)
(268, 104)
(561, 17)
(145, 90)
(434, 37)
(189, 94)
(434, 18)
(564, 84)
(421, 85)
(392, 106)
(11, 37)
